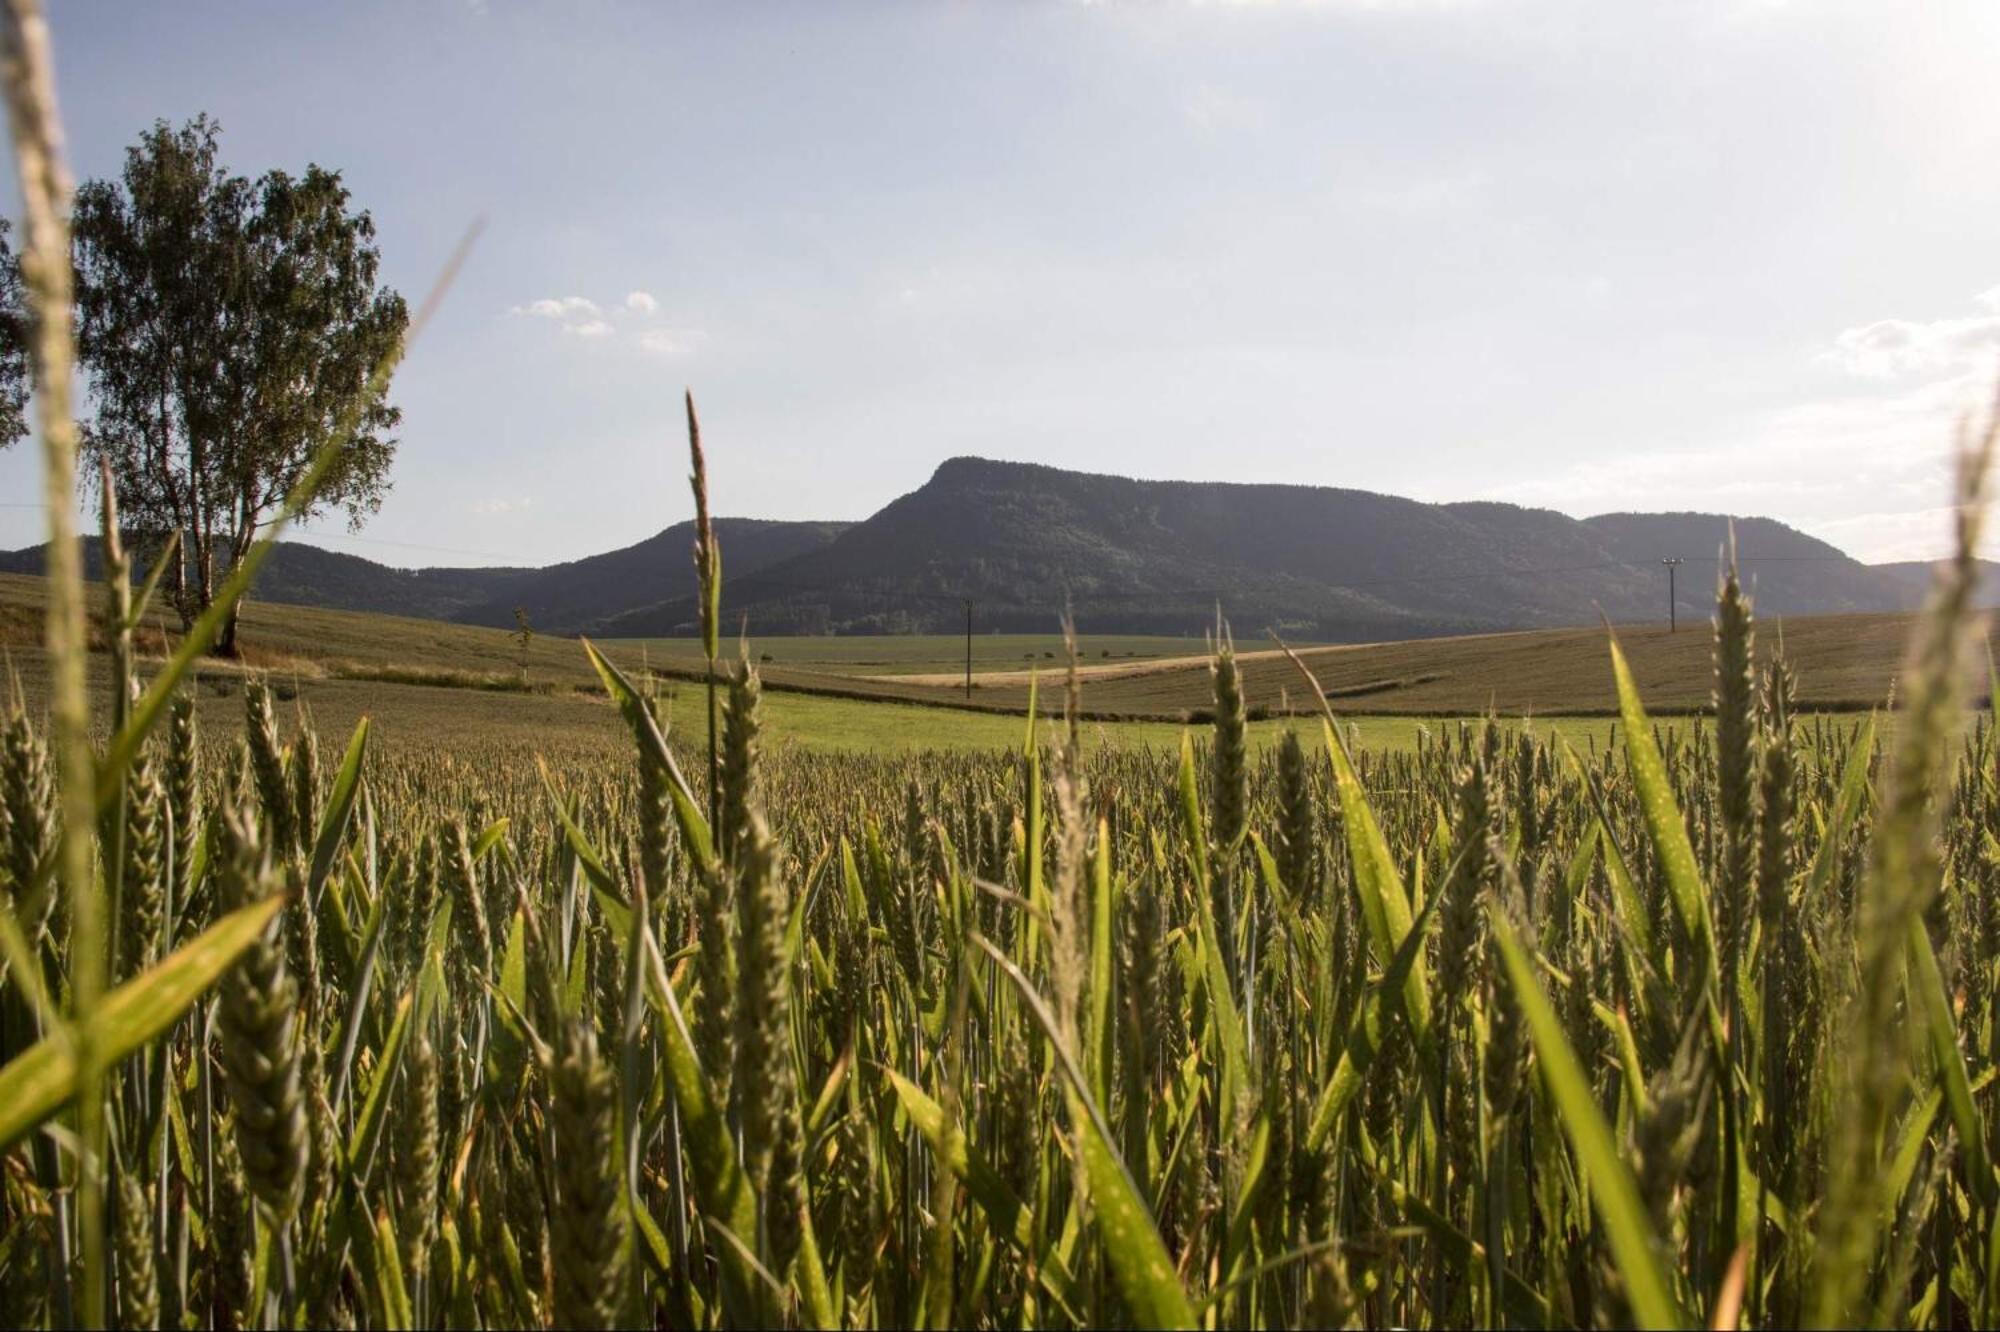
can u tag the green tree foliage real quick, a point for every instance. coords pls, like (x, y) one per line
(13, 345)
(524, 634)
(228, 327)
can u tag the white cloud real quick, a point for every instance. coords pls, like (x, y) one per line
(631, 323)
(493, 508)
(575, 315)
(1891, 347)
(563, 308)
(1892, 534)
(1865, 470)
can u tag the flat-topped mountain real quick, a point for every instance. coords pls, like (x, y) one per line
(1022, 541)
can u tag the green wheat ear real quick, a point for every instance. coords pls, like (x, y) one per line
(764, 1082)
(138, 1280)
(587, 1225)
(28, 797)
(1298, 823)
(1228, 796)
(146, 884)
(739, 757)
(1736, 760)
(185, 814)
(1052, 1037)
(259, 1025)
(268, 767)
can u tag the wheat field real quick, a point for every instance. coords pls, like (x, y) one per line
(1696, 1027)
(1485, 1032)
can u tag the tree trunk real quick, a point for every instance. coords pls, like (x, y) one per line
(204, 569)
(178, 589)
(225, 637)
(240, 542)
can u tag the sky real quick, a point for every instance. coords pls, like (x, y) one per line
(1732, 255)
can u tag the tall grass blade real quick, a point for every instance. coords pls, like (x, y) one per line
(38, 1081)
(1132, 1245)
(1634, 1244)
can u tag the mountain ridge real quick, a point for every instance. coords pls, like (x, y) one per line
(564, 598)
(1022, 540)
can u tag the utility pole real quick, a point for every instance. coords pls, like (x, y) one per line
(1673, 621)
(968, 649)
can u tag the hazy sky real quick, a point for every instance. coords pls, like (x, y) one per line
(1718, 254)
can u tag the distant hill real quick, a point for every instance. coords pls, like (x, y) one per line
(560, 599)
(1021, 541)
(1338, 565)
(1915, 577)
(580, 595)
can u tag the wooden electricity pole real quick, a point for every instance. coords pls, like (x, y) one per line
(1673, 621)
(968, 649)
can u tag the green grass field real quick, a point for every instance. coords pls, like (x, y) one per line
(426, 680)
(569, 724)
(923, 654)
(1845, 663)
